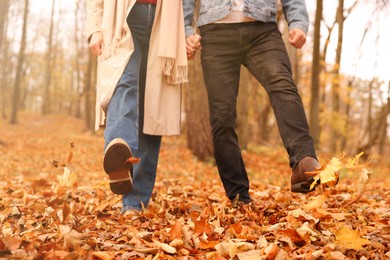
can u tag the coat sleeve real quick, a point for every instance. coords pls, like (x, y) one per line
(296, 14)
(94, 17)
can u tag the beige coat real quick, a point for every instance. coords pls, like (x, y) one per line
(167, 62)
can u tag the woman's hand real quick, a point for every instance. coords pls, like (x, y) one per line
(96, 43)
(192, 45)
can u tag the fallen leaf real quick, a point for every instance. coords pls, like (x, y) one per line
(315, 203)
(68, 179)
(347, 238)
(330, 174)
(165, 247)
(12, 243)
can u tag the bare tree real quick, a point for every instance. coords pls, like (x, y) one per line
(89, 92)
(315, 77)
(47, 95)
(4, 6)
(77, 71)
(18, 77)
(383, 134)
(197, 123)
(198, 129)
(341, 15)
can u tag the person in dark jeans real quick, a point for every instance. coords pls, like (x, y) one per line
(235, 33)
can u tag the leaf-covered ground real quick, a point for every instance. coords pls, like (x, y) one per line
(55, 204)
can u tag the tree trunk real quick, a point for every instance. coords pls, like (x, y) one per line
(383, 134)
(315, 77)
(347, 120)
(19, 67)
(336, 89)
(198, 129)
(79, 88)
(46, 106)
(89, 94)
(4, 6)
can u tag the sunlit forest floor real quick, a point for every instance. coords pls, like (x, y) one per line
(55, 203)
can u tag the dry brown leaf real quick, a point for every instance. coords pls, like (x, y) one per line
(292, 234)
(207, 244)
(347, 238)
(315, 203)
(165, 247)
(271, 251)
(202, 226)
(68, 157)
(226, 249)
(102, 255)
(12, 243)
(71, 237)
(177, 243)
(330, 174)
(176, 231)
(68, 179)
(235, 228)
(351, 163)
(65, 211)
(249, 255)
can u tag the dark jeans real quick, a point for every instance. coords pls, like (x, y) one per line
(259, 47)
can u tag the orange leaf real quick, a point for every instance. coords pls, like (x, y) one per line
(292, 234)
(12, 243)
(202, 226)
(350, 239)
(176, 231)
(236, 228)
(207, 244)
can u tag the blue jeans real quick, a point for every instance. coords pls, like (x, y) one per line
(259, 47)
(126, 111)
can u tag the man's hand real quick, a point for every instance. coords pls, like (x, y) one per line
(297, 38)
(96, 43)
(192, 45)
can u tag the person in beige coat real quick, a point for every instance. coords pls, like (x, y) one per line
(141, 63)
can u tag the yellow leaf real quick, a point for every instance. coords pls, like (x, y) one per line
(350, 239)
(68, 179)
(363, 180)
(315, 203)
(68, 157)
(351, 163)
(329, 174)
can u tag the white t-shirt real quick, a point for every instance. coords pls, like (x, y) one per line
(237, 14)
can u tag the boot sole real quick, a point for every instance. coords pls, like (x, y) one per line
(304, 187)
(116, 166)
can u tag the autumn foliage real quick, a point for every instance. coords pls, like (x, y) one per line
(55, 203)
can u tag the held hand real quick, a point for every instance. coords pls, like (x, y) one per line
(192, 45)
(96, 43)
(297, 38)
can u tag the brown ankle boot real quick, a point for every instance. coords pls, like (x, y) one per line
(301, 180)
